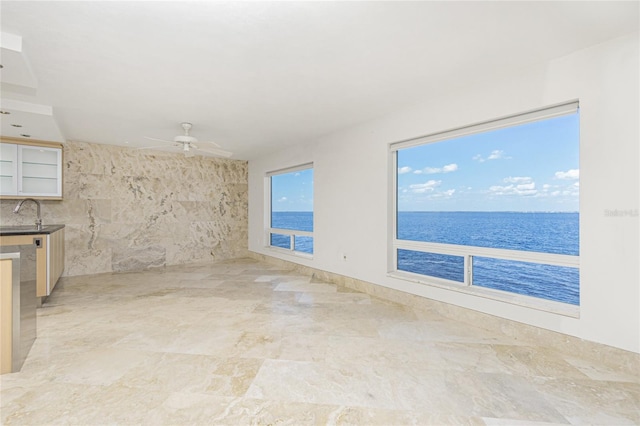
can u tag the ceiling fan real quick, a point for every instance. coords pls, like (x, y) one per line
(190, 145)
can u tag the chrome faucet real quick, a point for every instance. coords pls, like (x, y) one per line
(39, 220)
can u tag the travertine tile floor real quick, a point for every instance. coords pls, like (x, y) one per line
(240, 342)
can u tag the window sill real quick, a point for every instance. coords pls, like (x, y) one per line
(550, 306)
(290, 252)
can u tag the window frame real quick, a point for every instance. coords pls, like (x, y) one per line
(292, 233)
(468, 252)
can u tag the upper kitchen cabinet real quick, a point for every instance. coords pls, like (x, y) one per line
(30, 169)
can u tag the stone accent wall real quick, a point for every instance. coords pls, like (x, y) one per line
(127, 209)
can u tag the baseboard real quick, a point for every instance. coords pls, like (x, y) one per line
(614, 358)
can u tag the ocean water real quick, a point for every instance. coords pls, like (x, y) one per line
(299, 221)
(542, 232)
(538, 232)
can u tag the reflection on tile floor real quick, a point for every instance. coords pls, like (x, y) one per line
(240, 342)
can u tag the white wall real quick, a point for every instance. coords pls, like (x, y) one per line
(351, 186)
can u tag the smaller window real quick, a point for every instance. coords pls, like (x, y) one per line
(290, 223)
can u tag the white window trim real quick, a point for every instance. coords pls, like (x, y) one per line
(292, 169)
(468, 252)
(531, 302)
(484, 126)
(268, 230)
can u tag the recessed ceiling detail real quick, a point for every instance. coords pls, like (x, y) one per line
(29, 120)
(19, 81)
(16, 71)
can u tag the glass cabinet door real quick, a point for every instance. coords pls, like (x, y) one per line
(39, 171)
(8, 169)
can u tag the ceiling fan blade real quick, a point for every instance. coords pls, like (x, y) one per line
(211, 143)
(217, 152)
(154, 147)
(158, 140)
(189, 144)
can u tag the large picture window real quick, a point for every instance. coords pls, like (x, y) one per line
(493, 205)
(290, 219)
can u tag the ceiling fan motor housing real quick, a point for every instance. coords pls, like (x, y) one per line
(185, 139)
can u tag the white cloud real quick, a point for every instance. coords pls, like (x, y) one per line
(428, 186)
(432, 170)
(442, 194)
(526, 186)
(569, 174)
(523, 189)
(403, 170)
(573, 189)
(497, 154)
(282, 200)
(518, 179)
(545, 192)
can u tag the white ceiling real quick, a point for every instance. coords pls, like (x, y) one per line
(259, 76)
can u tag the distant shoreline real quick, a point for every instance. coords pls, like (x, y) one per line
(483, 211)
(453, 211)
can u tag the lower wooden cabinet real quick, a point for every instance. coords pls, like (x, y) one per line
(49, 257)
(55, 260)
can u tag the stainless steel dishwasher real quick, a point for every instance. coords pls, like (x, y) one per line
(23, 300)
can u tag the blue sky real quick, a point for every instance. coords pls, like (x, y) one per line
(531, 167)
(292, 192)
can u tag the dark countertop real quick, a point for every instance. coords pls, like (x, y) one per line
(28, 230)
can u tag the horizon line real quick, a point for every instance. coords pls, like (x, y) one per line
(488, 211)
(453, 211)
